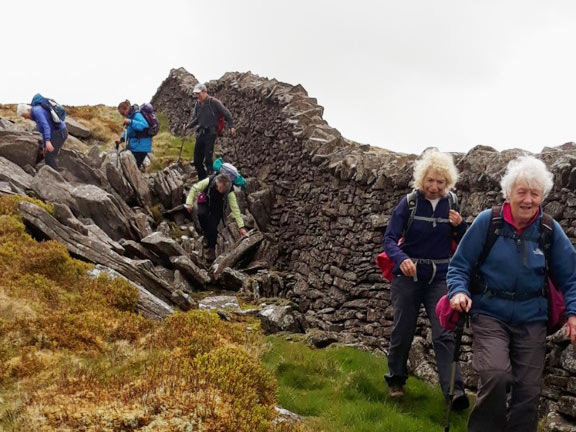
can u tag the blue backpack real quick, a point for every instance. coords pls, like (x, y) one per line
(57, 111)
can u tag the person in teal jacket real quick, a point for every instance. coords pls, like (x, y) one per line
(135, 132)
(509, 312)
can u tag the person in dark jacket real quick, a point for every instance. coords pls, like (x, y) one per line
(53, 134)
(420, 266)
(135, 132)
(205, 116)
(214, 189)
(508, 304)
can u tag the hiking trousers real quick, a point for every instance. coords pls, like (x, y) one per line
(209, 219)
(203, 151)
(507, 357)
(58, 139)
(407, 296)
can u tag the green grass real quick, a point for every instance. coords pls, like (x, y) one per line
(343, 389)
(166, 147)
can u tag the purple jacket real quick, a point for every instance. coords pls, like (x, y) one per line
(44, 123)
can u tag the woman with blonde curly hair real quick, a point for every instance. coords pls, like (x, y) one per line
(427, 222)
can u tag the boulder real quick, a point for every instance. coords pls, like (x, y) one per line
(77, 129)
(136, 179)
(275, 319)
(78, 168)
(168, 186)
(230, 258)
(12, 173)
(162, 245)
(19, 147)
(148, 305)
(190, 269)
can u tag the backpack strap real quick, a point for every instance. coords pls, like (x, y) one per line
(545, 242)
(412, 200)
(494, 230)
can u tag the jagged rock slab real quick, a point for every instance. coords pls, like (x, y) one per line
(19, 147)
(229, 259)
(12, 173)
(168, 187)
(112, 215)
(148, 305)
(162, 245)
(136, 179)
(79, 167)
(112, 170)
(189, 268)
(93, 250)
(77, 129)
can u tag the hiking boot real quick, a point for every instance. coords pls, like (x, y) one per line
(460, 402)
(210, 255)
(395, 391)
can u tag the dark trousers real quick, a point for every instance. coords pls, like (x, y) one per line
(139, 156)
(209, 219)
(58, 139)
(203, 150)
(407, 296)
(507, 357)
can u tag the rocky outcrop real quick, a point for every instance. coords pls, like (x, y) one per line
(77, 129)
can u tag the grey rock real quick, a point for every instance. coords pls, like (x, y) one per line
(190, 269)
(77, 129)
(12, 173)
(275, 319)
(219, 302)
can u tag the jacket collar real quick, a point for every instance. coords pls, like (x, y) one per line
(507, 215)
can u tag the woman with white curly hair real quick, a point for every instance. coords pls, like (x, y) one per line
(427, 221)
(500, 275)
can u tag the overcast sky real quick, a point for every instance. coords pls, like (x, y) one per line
(402, 75)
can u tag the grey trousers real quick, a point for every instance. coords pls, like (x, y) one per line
(507, 357)
(58, 139)
(407, 296)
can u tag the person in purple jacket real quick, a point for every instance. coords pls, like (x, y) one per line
(427, 230)
(53, 134)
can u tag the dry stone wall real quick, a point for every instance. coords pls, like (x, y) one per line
(331, 199)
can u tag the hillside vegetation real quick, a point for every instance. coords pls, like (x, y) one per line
(76, 358)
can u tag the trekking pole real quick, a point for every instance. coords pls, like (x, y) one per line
(455, 358)
(182, 145)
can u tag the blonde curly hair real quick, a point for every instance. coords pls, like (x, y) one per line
(442, 163)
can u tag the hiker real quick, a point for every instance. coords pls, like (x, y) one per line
(54, 134)
(420, 265)
(210, 194)
(206, 114)
(135, 132)
(504, 291)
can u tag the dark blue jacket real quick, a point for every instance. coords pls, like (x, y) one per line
(516, 266)
(424, 239)
(44, 123)
(137, 124)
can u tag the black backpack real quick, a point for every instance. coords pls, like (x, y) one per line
(412, 199)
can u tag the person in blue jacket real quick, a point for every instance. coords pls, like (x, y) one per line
(420, 265)
(135, 132)
(53, 134)
(507, 300)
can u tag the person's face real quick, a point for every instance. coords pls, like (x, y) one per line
(221, 187)
(27, 115)
(201, 96)
(524, 202)
(434, 185)
(124, 111)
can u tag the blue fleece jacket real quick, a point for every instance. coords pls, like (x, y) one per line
(424, 239)
(137, 124)
(515, 266)
(44, 123)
